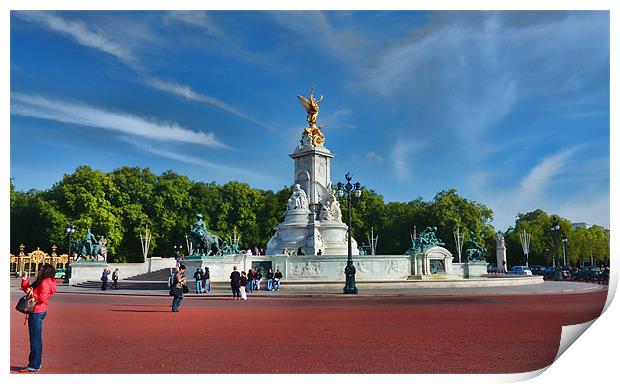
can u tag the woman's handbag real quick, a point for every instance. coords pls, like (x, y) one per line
(26, 304)
(185, 289)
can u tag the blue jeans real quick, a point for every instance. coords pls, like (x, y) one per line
(207, 286)
(250, 287)
(269, 282)
(35, 330)
(198, 286)
(276, 284)
(176, 302)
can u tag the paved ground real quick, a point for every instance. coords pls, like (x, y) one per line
(437, 332)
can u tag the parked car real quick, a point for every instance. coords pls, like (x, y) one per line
(588, 273)
(492, 268)
(566, 273)
(537, 270)
(60, 273)
(521, 270)
(549, 273)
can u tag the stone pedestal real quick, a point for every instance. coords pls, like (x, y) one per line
(317, 226)
(502, 264)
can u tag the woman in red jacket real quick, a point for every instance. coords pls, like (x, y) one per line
(42, 289)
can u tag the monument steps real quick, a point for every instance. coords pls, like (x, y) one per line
(158, 275)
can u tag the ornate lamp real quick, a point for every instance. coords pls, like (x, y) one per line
(70, 230)
(349, 271)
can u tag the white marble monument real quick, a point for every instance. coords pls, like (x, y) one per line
(502, 264)
(313, 218)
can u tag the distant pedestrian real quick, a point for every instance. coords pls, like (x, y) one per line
(257, 277)
(104, 279)
(320, 252)
(198, 275)
(269, 280)
(250, 286)
(42, 290)
(173, 271)
(235, 283)
(115, 279)
(276, 279)
(243, 281)
(206, 280)
(176, 291)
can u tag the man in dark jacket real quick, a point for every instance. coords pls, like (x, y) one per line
(198, 275)
(250, 287)
(235, 283)
(276, 279)
(270, 280)
(115, 279)
(206, 281)
(257, 278)
(104, 279)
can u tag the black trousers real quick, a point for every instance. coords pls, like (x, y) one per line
(235, 290)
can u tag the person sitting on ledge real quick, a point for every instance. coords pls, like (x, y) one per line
(320, 252)
(300, 251)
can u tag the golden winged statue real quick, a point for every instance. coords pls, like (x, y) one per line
(311, 105)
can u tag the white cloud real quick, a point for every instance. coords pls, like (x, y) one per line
(80, 114)
(80, 32)
(89, 38)
(188, 93)
(373, 156)
(403, 155)
(539, 177)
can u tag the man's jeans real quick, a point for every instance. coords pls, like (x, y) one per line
(176, 302)
(276, 284)
(35, 330)
(207, 285)
(269, 282)
(198, 286)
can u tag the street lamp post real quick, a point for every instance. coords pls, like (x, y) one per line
(349, 271)
(70, 230)
(555, 230)
(564, 244)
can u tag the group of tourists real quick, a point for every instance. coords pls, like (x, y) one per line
(203, 280)
(254, 251)
(105, 279)
(242, 283)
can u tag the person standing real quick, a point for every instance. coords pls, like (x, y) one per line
(115, 279)
(250, 286)
(235, 283)
(198, 275)
(206, 280)
(269, 280)
(276, 279)
(42, 290)
(177, 288)
(257, 279)
(243, 281)
(104, 279)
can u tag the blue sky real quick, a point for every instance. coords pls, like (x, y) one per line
(509, 108)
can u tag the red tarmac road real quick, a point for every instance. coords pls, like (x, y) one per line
(474, 334)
